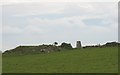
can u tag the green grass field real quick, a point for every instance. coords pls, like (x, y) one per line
(89, 60)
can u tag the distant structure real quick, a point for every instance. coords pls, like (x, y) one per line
(78, 44)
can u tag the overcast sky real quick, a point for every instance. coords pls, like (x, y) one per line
(46, 22)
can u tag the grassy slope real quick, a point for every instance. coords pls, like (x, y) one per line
(91, 60)
(0, 62)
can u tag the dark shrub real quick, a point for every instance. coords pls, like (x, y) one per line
(66, 45)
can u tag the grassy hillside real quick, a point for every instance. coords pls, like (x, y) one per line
(89, 60)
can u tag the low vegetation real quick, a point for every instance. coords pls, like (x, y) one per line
(85, 60)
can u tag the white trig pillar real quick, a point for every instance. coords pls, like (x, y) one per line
(78, 44)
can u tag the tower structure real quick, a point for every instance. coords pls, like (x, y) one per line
(78, 44)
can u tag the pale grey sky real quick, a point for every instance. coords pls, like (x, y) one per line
(47, 22)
